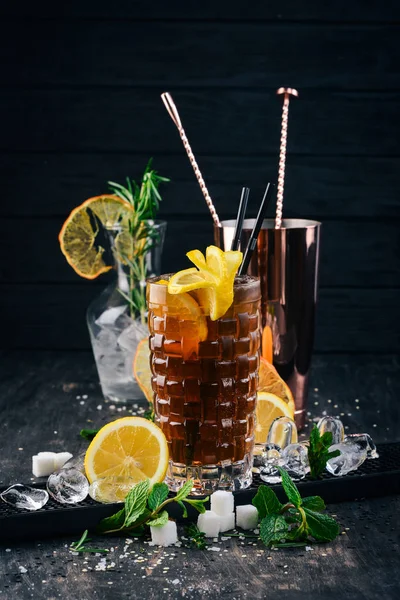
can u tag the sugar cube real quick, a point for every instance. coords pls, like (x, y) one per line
(43, 464)
(209, 524)
(166, 535)
(222, 502)
(246, 516)
(227, 522)
(60, 459)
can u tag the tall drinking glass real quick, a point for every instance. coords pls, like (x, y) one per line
(204, 377)
(287, 262)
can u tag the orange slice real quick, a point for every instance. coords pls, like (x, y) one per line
(270, 381)
(78, 234)
(269, 408)
(141, 369)
(130, 448)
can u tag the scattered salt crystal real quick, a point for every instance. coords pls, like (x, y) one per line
(78, 397)
(112, 406)
(22, 570)
(175, 581)
(82, 402)
(374, 425)
(8, 549)
(214, 549)
(55, 432)
(136, 406)
(222, 502)
(256, 531)
(308, 548)
(99, 407)
(85, 396)
(209, 524)
(246, 516)
(74, 553)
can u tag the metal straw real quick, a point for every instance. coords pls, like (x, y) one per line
(240, 218)
(282, 152)
(173, 113)
(256, 229)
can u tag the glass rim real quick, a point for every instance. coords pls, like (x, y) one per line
(268, 224)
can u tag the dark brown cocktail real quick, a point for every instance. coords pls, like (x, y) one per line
(204, 378)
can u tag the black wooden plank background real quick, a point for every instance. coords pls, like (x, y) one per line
(80, 104)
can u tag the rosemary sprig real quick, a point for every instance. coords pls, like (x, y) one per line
(145, 200)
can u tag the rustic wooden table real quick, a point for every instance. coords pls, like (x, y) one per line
(46, 398)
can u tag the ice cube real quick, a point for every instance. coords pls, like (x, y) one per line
(350, 458)
(208, 523)
(111, 489)
(109, 316)
(222, 503)
(68, 486)
(365, 441)
(132, 335)
(271, 460)
(60, 459)
(283, 431)
(166, 535)
(43, 464)
(77, 462)
(226, 522)
(25, 496)
(295, 461)
(246, 516)
(335, 426)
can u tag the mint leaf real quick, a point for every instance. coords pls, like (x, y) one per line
(198, 504)
(185, 490)
(290, 489)
(333, 454)
(273, 528)
(321, 527)
(160, 520)
(318, 451)
(184, 509)
(135, 502)
(314, 503)
(266, 501)
(158, 494)
(112, 523)
(88, 434)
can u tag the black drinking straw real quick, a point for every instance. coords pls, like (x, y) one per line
(240, 218)
(256, 229)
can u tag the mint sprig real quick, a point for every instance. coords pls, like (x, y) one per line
(146, 507)
(318, 451)
(79, 546)
(299, 521)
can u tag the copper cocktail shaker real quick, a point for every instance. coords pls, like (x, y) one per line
(286, 260)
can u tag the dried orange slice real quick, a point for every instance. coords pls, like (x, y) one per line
(78, 234)
(269, 381)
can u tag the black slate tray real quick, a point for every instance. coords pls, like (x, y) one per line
(379, 477)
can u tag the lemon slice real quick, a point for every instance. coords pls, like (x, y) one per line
(131, 448)
(270, 381)
(216, 262)
(141, 369)
(269, 408)
(187, 280)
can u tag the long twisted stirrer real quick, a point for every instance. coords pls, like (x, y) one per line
(287, 92)
(173, 113)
